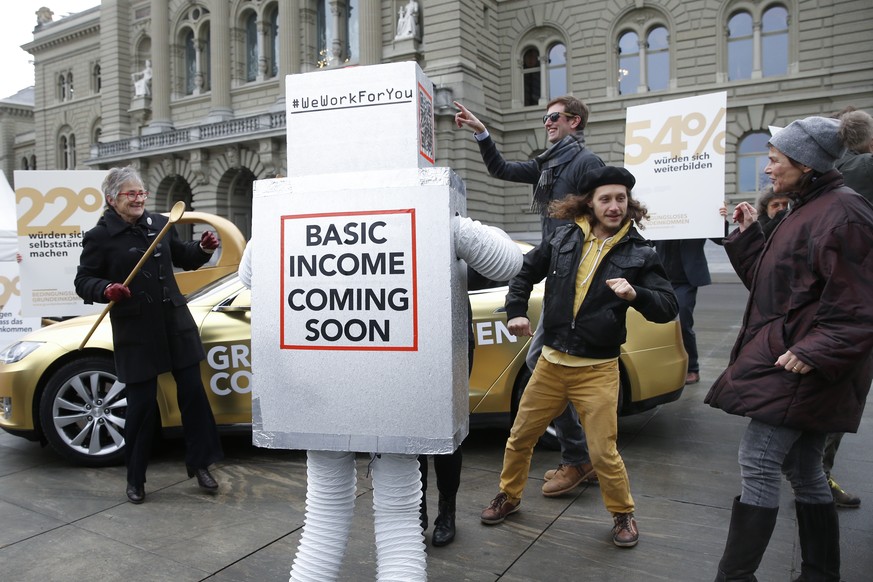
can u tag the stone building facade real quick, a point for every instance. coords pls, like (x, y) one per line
(211, 118)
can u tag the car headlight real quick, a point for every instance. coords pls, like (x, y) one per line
(18, 351)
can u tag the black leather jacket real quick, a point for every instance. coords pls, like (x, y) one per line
(598, 330)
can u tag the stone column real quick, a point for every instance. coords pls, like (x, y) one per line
(219, 49)
(756, 50)
(370, 32)
(289, 46)
(160, 29)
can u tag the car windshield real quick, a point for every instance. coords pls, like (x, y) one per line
(226, 281)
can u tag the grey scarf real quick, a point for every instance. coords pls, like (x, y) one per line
(549, 161)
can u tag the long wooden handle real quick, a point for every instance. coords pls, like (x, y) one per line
(175, 215)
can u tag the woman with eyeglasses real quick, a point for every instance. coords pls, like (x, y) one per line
(152, 329)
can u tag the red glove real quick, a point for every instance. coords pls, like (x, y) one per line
(116, 292)
(208, 241)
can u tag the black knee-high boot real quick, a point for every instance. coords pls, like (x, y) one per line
(819, 529)
(748, 536)
(444, 524)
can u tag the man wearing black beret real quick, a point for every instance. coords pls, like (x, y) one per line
(595, 267)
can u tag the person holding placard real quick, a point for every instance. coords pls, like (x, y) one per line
(803, 360)
(153, 331)
(596, 268)
(555, 173)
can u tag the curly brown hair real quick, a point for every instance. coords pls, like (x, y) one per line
(572, 206)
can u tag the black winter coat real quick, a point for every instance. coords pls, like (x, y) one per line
(568, 177)
(153, 332)
(599, 328)
(810, 288)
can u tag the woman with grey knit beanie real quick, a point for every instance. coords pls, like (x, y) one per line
(803, 361)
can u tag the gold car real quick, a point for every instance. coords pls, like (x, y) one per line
(52, 392)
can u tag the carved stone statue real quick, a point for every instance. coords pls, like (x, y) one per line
(142, 81)
(407, 21)
(43, 16)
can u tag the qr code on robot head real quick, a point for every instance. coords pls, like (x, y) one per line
(426, 125)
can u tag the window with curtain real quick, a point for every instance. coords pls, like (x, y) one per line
(273, 36)
(531, 74)
(251, 46)
(190, 62)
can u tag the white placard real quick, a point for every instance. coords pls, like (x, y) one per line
(349, 279)
(380, 117)
(675, 149)
(12, 325)
(54, 210)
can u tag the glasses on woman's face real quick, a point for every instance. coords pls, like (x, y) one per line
(135, 195)
(555, 116)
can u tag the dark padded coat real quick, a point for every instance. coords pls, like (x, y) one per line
(811, 292)
(153, 331)
(598, 329)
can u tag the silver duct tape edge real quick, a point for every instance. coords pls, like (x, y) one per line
(359, 443)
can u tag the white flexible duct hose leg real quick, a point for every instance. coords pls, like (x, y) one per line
(330, 503)
(400, 553)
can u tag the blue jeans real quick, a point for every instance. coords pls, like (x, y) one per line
(568, 429)
(767, 452)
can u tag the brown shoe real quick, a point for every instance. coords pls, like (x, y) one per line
(692, 378)
(498, 510)
(591, 479)
(566, 478)
(625, 533)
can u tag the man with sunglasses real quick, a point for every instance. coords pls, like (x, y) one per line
(555, 173)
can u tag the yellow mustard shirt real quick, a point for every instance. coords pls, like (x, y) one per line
(593, 252)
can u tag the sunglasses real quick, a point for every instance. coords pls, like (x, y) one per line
(554, 117)
(135, 195)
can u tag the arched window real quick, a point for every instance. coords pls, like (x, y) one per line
(62, 87)
(531, 74)
(628, 63)
(643, 66)
(251, 28)
(25, 163)
(33, 162)
(190, 62)
(544, 68)
(774, 41)
(658, 59)
(557, 68)
(66, 151)
(757, 42)
(752, 155)
(96, 81)
(70, 93)
(740, 46)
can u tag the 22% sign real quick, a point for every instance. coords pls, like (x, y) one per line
(59, 204)
(671, 137)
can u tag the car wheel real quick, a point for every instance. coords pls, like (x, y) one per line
(82, 412)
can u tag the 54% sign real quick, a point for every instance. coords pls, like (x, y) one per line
(672, 138)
